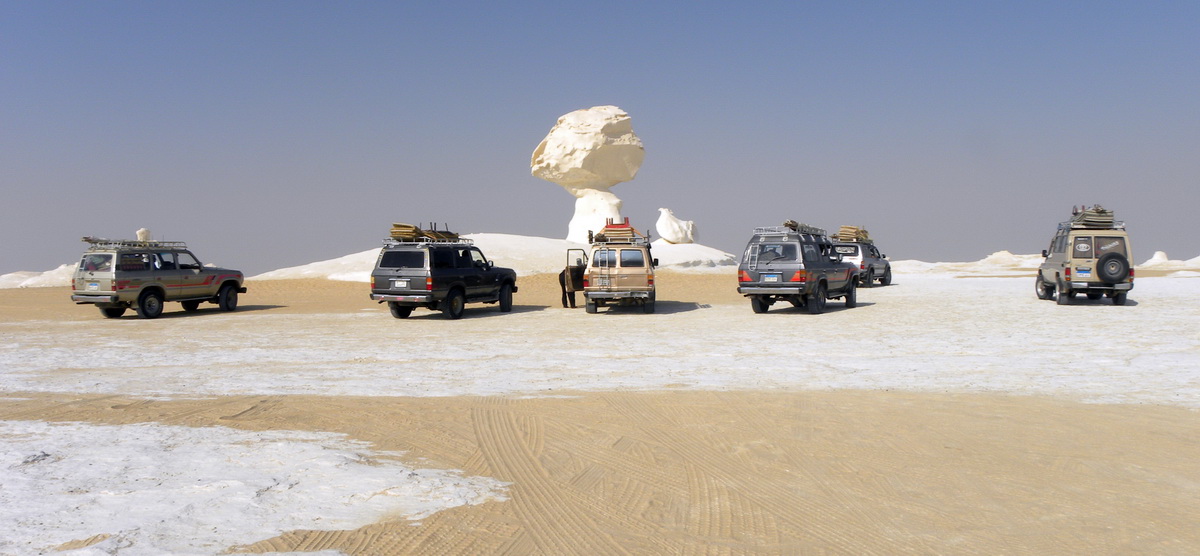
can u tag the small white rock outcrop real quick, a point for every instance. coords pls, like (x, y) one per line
(674, 230)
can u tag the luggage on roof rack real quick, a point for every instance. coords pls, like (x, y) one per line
(853, 234)
(1095, 217)
(98, 243)
(618, 232)
(408, 233)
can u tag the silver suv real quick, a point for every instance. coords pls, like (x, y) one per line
(872, 265)
(116, 275)
(1089, 254)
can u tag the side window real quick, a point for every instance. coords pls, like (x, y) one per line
(477, 258)
(1105, 245)
(811, 254)
(187, 261)
(632, 258)
(1082, 248)
(1060, 243)
(443, 258)
(134, 262)
(164, 261)
(463, 255)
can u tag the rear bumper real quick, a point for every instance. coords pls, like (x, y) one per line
(405, 298)
(756, 290)
(1124, 286)
(617, 294)
(85, 298)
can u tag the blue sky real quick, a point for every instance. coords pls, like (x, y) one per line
(271, 134)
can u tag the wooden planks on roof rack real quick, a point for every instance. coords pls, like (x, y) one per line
(407, 232)
(852, 234)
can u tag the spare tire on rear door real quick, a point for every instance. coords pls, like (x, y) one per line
(1112, 268)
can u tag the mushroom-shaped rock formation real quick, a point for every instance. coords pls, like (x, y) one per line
(587, 152)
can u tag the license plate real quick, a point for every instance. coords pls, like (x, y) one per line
(603, 282)
(93, 286)
(770, 278)
(400, 284)
(1084, 273)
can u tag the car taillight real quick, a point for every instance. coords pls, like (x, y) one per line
(1131, 274)
(862, 265)
(650, 280)
(429, 283)
(1067, 274)
(798, 276)
(743, 276)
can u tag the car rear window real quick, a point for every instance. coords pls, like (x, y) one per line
(631, 258)
(771, 251)
(1083, 248)
(848, 250)
(96, 262)
(402, 259)
(1106, 245)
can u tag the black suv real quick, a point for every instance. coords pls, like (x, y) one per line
(795, 263)
(438, 273)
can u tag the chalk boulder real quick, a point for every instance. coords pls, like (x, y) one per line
(674, 230)
(143, 234)
(587, 152)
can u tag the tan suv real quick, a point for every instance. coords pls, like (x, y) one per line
(1089, 254)
(115, 275)
(621, 269)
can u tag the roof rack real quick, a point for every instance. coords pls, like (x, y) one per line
(408, 234)
(1095, 217)
(790, 227)
(100, 243)
(622, 233)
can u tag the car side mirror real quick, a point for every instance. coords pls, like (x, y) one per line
(1045, 253)
(654, 262)
(883, 256)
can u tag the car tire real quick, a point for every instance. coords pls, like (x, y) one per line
(816, 300)
(1043, 290)
(190, 306)
(1119, 299)
(506, 298)
(759, 304)
(589, 306)
(399, 311)
(851, 296)
(648, 305)
(150, 304)
(454, 304)
(887, 277)
(227, 297)
(869, 280)
(1112, 268)
(112, 312)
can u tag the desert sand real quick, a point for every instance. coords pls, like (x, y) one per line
(695, 471)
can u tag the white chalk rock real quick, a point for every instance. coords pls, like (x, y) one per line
(592, 208)
(674, 230)
(589, 149)
(143, 234)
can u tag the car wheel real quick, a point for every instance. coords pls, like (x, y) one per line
(589, 305)
(190, 306)
(399, 311)
(759, 304)
(150, 305)
(1094, 295)
(648, 306)
(887, 277)
(1042, 289)
(454, 304)
(1112, 268)
(505, 298)
(851, 296)
(227, 297)
(112, 312)
(816, 300)
(1119, 299)
(868, 280)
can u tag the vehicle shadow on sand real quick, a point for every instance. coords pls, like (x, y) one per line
(831, 307)
(660, 307)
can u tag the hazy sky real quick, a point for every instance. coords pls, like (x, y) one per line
(272, 134)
